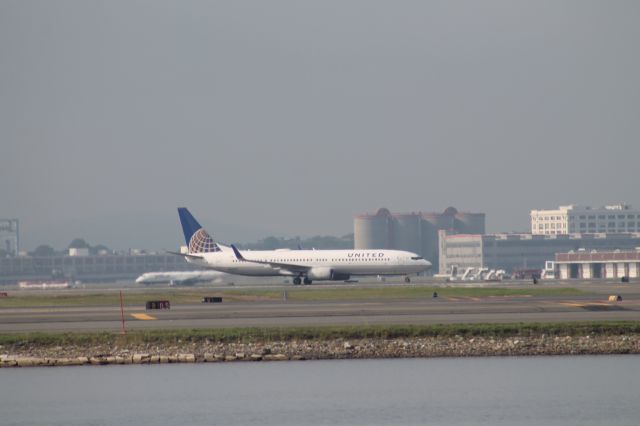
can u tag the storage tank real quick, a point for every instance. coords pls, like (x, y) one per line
(407, 232)
(470, 223)
(372, 231)
(432, 223)
(445, 220)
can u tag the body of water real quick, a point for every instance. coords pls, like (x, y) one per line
(584, 390)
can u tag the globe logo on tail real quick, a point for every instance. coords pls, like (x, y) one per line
(201, 242)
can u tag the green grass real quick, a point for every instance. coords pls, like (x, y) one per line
(189, 296)
(268, 334)
(112, 298)
(423, 292)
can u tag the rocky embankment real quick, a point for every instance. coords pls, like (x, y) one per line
(420, 347)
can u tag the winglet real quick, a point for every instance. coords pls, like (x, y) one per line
(237, 252)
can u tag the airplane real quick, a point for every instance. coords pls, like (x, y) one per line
(183, 277)
(303, 266)
(474, 274)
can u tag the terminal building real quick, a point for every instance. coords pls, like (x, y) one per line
(516, 252)
(595, 264)
(581, 219)
(82, 267)
(415, 232)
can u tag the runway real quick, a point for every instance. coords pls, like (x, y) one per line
(439, 310)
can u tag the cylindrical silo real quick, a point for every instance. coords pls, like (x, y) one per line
(440, 220)
(447, 220)
(372, 231)
(407, 235)
(432, 223)
(470, 223)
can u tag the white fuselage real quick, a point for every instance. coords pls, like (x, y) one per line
(322, 264)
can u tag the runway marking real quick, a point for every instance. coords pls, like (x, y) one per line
(143, 317)
(583, 304)
(596, 306)
(573, 304)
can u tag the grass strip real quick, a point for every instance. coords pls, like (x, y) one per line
(137, 297)
(267, 334)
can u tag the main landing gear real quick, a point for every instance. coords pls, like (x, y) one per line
(407, 279)
(300, 280)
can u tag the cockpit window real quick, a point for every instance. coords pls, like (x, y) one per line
(417, 258)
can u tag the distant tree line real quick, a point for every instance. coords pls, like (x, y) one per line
(317, 242)
(270, 243)
(44, 250)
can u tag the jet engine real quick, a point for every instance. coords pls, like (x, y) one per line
(326, 274)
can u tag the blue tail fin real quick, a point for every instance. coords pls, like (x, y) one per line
(195, 236)
(189, 223)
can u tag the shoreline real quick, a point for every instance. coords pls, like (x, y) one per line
(40, 355)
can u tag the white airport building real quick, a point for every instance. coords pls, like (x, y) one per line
(517, 252)
(573, 219)
(583, 264)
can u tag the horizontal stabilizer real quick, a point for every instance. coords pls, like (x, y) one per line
(185, 255)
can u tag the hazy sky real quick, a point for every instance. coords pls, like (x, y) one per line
(289, 117)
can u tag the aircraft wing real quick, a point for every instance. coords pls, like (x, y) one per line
(291, 267)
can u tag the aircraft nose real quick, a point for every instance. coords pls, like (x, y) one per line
(426, 264)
